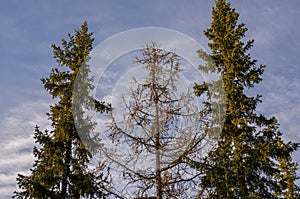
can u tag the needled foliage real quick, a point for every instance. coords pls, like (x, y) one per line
(251, 160)
(61, 166)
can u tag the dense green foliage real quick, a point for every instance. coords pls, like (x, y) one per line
(61, 166)
(251, 159)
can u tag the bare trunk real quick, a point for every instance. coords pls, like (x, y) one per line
(158, 170)
(157, 140)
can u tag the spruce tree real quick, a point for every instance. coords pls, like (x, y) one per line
(61, 166)
(287, 176)
(250, 160)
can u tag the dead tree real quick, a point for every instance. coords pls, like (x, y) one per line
(162, 124)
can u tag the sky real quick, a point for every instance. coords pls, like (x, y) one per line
(28, 28)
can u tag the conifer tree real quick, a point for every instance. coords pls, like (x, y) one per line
(287, 176)
(161, 123)
(250, 160)
(61, 166)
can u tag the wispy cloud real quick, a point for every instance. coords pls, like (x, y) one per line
(16, 142)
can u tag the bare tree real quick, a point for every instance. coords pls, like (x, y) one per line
(161, 124)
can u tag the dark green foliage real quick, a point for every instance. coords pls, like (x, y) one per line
(60, 169)
(200, 89)
(251, 159)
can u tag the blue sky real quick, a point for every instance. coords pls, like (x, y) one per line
(28, 28)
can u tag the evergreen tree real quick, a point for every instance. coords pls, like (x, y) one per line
(251, 160)
(287, 176)
(61, 166)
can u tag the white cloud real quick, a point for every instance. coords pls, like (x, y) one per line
(16, 142)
